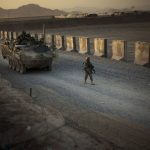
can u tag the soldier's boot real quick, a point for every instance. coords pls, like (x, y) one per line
(92, 83)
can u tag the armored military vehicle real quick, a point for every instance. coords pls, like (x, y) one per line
(26, 52)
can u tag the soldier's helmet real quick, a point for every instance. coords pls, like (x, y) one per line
(87, 58)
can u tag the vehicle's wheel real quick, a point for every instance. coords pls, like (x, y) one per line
(49, 68)
(18, 66)
(4, 57)
(13, 65)
(10, 63)
(22, 69)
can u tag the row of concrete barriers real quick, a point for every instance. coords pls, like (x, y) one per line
(70, 43)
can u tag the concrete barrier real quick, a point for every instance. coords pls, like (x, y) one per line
(48, 40)
(32, 35)
(69, 43)
(5, 35)
(10, 35)
(19, 33)
(142, 53)
(15, 35)
(118, 49)
(40, 36)
(100, 47)
(84, 45)
(2, 35)
(58, 41)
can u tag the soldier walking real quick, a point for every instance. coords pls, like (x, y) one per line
(89, 70)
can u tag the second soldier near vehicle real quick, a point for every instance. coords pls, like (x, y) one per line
(89, 70)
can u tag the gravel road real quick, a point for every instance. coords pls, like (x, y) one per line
(120, 96)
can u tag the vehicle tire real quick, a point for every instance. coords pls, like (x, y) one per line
(10, 63)
(4, 57)
(13, 65)
(49, 68)
(18, 66)
(22, 69)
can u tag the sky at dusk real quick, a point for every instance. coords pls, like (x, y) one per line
(60, 4)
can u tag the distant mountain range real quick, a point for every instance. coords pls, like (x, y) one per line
(29, 10)
(32, 10)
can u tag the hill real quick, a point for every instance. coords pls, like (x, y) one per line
(29, 10)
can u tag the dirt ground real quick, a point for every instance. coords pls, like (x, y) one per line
(56, 134)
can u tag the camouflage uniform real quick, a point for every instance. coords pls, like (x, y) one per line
(89, 69)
